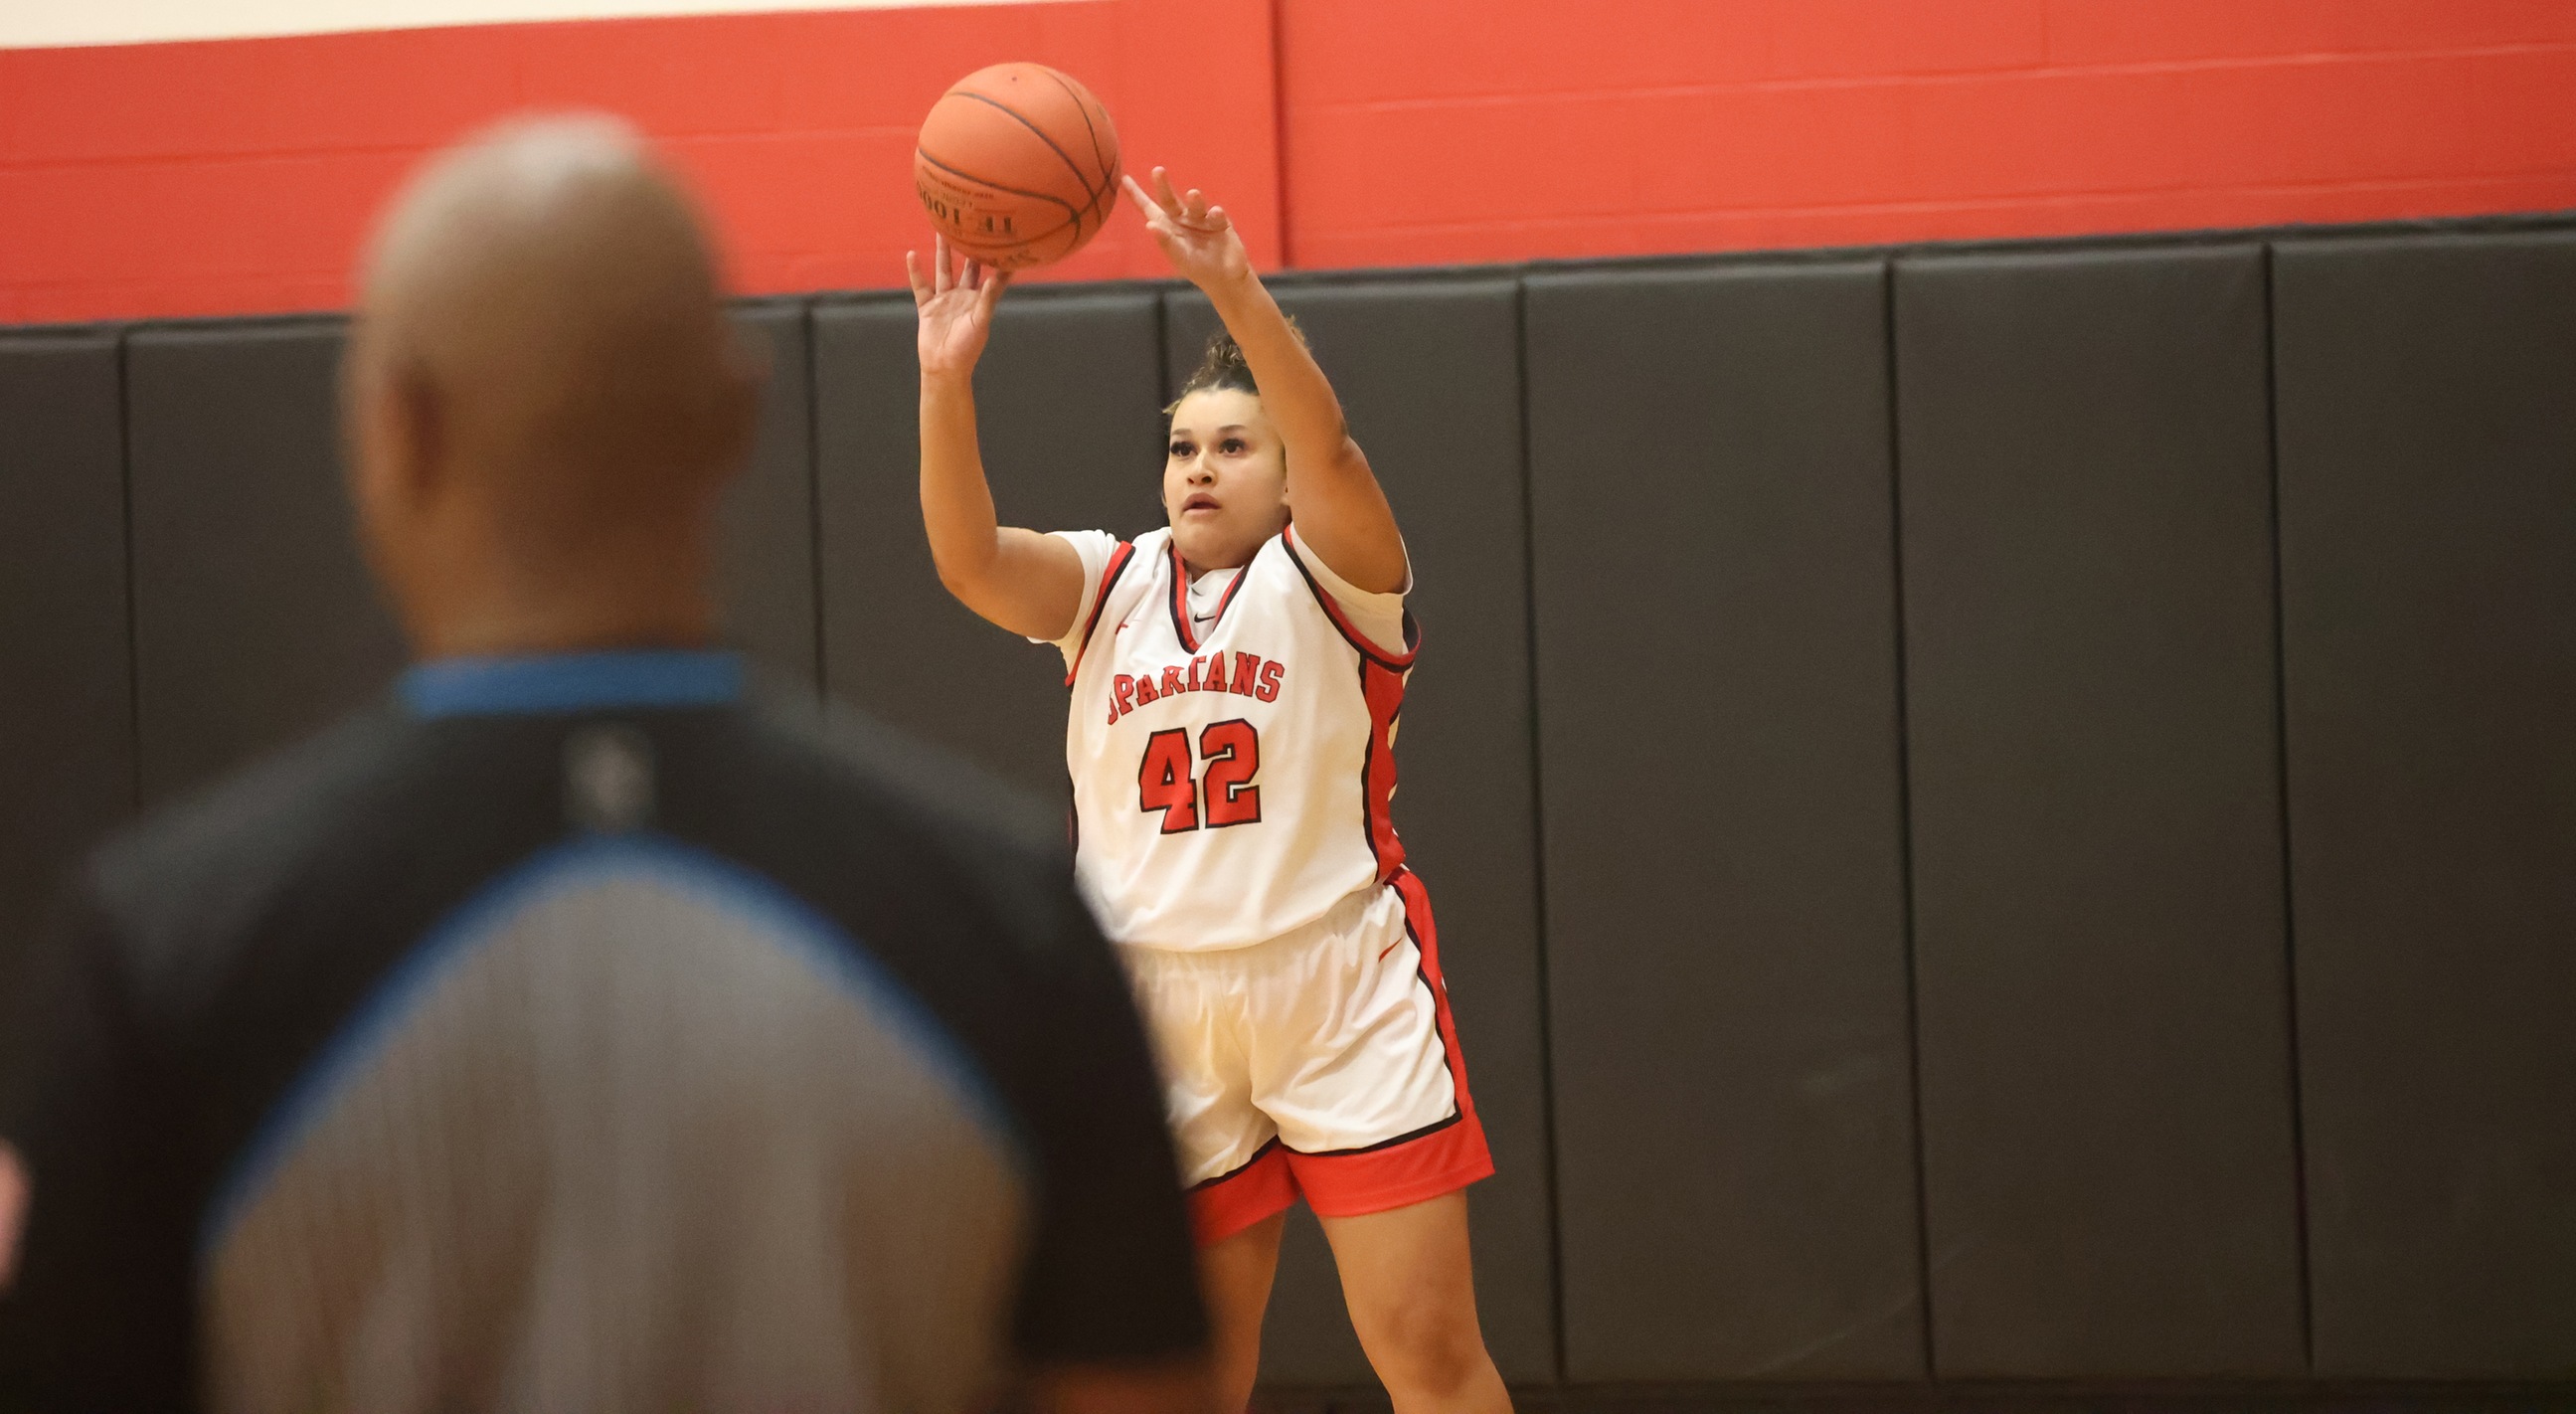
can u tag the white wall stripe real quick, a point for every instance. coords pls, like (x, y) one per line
(48, 24)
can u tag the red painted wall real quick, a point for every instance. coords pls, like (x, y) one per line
(1425, 133)
(239, 176)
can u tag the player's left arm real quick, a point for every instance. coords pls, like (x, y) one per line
(1341, 512)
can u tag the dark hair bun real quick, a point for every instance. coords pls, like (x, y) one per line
(1223, 366)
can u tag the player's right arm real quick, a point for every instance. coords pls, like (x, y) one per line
(1028, 583)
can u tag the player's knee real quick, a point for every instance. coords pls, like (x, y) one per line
(1427, 1350)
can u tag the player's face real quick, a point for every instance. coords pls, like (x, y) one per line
(1225, 480)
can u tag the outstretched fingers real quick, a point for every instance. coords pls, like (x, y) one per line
(920, 282)
(1151, 209)
(991, 293)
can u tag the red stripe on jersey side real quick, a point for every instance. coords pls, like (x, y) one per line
(1382, 688)
(1118, 559)
(1426, 940)
(1413, 1168)
(1342, 623)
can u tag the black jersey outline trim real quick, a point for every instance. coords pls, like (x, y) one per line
(722, 883)
(1243, 1168)
(1456, 1115)
(1225, 600)
(1368, 767)
(1119, 559)
(1341, 625)
(1181, 595)
(1180, 598)
(1457, 1081)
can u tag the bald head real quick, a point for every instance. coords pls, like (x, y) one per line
(541, 371)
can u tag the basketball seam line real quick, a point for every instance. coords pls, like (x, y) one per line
(1108, 178)
(1091, 198)
(1071, 211)
(1072, 217)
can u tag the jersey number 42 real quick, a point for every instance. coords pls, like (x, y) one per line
(1165, 780)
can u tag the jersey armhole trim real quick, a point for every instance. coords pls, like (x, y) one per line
(1118, 560)
(1342, 624)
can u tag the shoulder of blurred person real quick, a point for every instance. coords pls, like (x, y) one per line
(208, 863)
(961, 810)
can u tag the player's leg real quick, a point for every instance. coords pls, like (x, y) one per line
(1240, 1185)
(1355, 1058)
(1235, 1272)
(1412, 1295)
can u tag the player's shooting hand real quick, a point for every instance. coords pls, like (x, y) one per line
(955, 301)
(1196, 237)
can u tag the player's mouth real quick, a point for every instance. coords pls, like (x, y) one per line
(1199, 501)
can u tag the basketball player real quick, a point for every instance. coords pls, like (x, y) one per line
(571, 1033)
(1235, 681)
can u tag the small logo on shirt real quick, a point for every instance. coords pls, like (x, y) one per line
(608, 779)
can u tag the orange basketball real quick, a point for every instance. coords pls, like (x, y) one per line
(1017, 165)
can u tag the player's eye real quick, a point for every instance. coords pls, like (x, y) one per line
(1181, 451)
(1234, 447)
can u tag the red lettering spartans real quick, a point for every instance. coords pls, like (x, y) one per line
(1269, 689)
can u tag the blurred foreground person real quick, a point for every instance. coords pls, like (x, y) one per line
(569, 1034)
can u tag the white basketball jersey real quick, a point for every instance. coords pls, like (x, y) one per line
(1231, 775)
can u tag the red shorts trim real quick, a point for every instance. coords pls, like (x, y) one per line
(1397, 1176)
(1398, 1173)
(1222, 1207)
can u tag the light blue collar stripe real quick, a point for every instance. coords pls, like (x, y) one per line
(573, 682)
(587, 860)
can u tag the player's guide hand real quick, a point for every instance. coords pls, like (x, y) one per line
(1196, 237)
(955, 302)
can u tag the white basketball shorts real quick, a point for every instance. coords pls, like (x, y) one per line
(1322, 1062)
